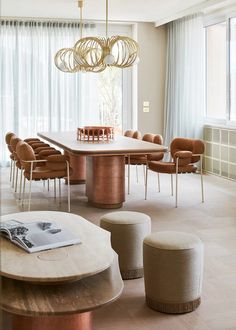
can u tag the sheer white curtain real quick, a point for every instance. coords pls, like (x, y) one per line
(185, 76)
(35, 95)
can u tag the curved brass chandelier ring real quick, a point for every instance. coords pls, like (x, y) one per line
(94, 54)
(124, 50)
(64, 60)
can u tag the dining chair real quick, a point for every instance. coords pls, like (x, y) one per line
(142, 159)
(134, 134)
(185, 153)
(129, 133)
(40, 153)
(56, 166)
(16, 165)
(8, 137)
(37, 145)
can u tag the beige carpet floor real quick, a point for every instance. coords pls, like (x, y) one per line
(213, 221)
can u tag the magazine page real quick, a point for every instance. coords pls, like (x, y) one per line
(10, 228)
(39, 236)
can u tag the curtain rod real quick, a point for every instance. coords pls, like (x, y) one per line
(63, 20)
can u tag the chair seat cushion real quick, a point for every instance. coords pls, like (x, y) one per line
(43, 172)
(169, 167)
(138, 160)
(142, 159)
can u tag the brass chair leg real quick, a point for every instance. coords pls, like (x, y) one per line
(176, 183)
(158, 182)
(68, 184)
(128, 174)
(146, 182)
(202, 188)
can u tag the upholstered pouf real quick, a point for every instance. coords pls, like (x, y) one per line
(173, 267)
(128, 230)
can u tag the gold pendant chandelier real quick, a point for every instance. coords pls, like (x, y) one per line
(94, 54)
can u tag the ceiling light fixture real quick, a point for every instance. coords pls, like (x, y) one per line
(94, 54)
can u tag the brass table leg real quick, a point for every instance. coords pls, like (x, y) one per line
(105, 181)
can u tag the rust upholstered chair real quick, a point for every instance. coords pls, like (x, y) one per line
(8, 137)
(14, 141)
(129, 133)
(56, 167)
(142, 159)
(38, 146)
(40, 153)
(134, 135)
(185, 154)
(137, 135)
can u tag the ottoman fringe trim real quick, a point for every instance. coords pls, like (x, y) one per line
(173, 308)
(131, 274)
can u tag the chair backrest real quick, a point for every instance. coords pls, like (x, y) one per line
(148, 137)
(56, 162)
(137, 135)
(32, 139)
(13, 143)
(129, 133)
(36, 144)
(184, 144)
(158, 139)
(25, 153)
(8, 137)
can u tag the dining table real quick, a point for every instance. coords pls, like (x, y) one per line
(100, 164)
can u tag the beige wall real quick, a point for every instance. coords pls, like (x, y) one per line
(151, 76)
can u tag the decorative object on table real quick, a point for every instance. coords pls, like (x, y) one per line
(37, 236)
(95, 133)
(128, 230)
(95, 54)
(173, 268)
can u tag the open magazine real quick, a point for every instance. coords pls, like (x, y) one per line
(37, 236)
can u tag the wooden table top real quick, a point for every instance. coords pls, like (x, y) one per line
(89, 293)
(58, 265)
(119, 146)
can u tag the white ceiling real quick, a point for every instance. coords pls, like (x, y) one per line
(158, 11)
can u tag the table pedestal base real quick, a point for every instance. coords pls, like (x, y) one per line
(82, 321)
(78, 165)
(105, 184)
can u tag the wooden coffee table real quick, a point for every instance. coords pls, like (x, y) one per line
(101, 164)
(58, 289)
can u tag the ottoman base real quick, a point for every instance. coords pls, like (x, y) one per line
(173, 308)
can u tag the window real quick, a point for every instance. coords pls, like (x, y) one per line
(36, 96)
(233, 69)
(216, 70)
(221, 72)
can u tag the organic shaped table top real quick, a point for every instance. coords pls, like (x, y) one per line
(87, 294)
(58, 265)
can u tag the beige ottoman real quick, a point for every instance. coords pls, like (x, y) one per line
(173, 267)
(128, 230)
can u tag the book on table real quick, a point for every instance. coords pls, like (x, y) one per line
(37, 236)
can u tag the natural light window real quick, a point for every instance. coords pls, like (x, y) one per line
(233, 69)
(216, 70)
